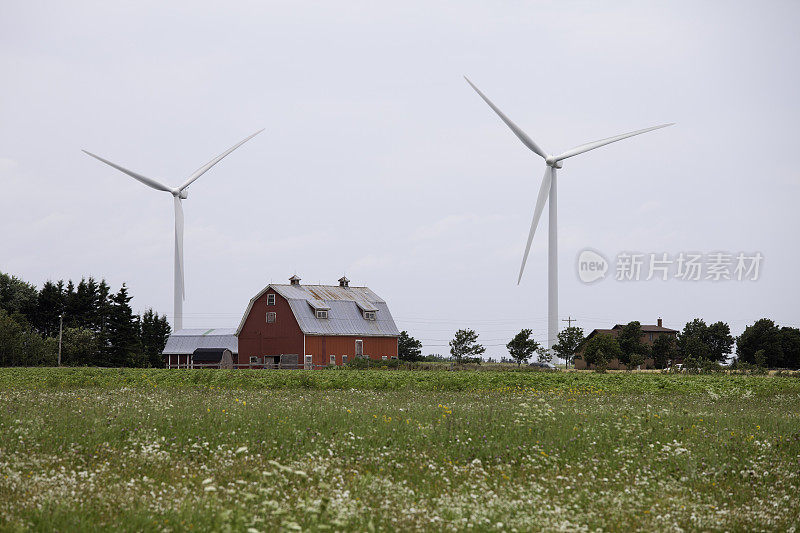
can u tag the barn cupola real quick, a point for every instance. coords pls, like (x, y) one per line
(344, 282)
(294, 280)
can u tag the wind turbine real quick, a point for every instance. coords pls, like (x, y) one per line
(179, 194)
(549, 188)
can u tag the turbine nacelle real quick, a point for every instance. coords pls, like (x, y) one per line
(182, 194)
(553, 162)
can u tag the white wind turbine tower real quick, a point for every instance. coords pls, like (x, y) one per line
(548, 188)
(179, 194)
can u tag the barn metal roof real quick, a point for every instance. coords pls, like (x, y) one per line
(345, 310)
(186, 341)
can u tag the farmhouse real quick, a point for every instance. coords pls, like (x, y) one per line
(650, 332)
(315, 325)
(179, 352)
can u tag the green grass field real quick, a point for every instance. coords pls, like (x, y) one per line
(88, 450)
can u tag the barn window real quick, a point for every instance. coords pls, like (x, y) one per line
(384, 358)
(308, 364)
(333, 359)
(271, 316)
(359, 348)
(369, 315)
(344, 359)
(322, 314)
(253, 359)
(270, 299)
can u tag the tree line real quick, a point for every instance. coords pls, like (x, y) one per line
(763, 344)
(99, 326)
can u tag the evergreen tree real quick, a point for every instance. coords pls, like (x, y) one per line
(83, 304)
(49, 305)
(99, 327)
(155, 331)
(70, 305)
(102, 315)
(408, 348)
(125, 347)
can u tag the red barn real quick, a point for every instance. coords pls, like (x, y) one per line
(315, 325)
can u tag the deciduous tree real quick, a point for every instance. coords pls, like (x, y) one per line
(631, 345)
(569, 339)
(779, 347)
(664, 350)
(465, 344)
(601, 349)
(700, 341)
(522, 346)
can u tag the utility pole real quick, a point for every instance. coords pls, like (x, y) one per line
(60, 331)
(569, 320)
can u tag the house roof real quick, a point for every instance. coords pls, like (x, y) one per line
(598, 331)
(647, 328)
(186, 341)
(344, 305)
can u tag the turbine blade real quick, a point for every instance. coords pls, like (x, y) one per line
(602, 142)
(135, 175)
(179, 243)
(544, 191)
(202, 170)
(527, 141)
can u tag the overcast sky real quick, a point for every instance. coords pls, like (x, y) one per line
(380, 162)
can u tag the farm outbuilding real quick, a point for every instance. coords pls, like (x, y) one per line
(182, 344)
(211, 358)
(316, 325)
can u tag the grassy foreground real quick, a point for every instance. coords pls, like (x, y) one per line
(88, 450)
